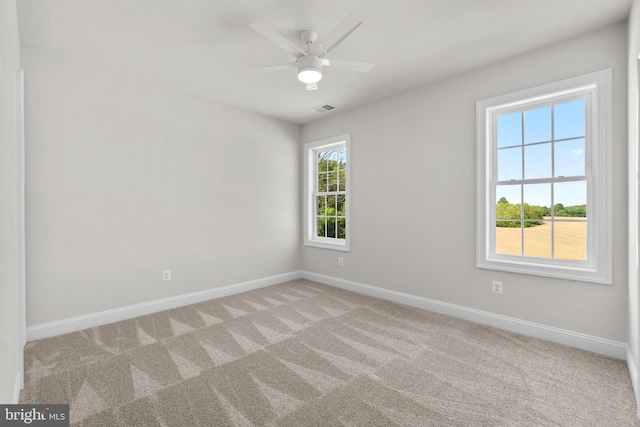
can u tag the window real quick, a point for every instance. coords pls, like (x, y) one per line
(327, 193)
(544, 195)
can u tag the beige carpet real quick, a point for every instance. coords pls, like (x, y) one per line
(302, 353)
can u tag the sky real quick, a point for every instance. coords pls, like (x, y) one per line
(542, 143)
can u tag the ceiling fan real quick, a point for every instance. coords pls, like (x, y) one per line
(310, 61)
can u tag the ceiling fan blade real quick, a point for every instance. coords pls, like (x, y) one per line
(338, 34)
(276, 38)
(271, 68)
(311, 86)
(347, 65)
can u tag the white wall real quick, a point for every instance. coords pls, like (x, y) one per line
(126, 179)
(634, 201)
(9, 321)
(414, 198)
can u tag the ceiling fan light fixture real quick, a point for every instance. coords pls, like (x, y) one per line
(309, 69)
(309, 75)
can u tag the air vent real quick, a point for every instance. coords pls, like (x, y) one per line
(323, 108)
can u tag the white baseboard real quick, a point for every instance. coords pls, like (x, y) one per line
(633, 373)
(17, 387)
(52, 329)
(574, 339)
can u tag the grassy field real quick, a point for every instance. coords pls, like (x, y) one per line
(570, 240)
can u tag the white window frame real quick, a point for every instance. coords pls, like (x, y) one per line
(310, 182)
(598, 266)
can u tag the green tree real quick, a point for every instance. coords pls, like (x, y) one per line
(579, 211)
(558, 210)
(506, 210)
(533, 214)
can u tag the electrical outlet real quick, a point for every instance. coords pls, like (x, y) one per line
(496, 287)
(166, 275)
(340, 261)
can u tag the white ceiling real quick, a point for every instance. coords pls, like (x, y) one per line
(205, 47)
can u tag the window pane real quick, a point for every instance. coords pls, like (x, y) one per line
(508, 238)
(342, 180)
(510, 129)
(537, 201)
(569, 119)
(331, 227)
(537, 231)
(341, 206)
(322, 182)
(321, 227)
(537, 239)
(341, 157)
(332, 181)
(570, 226)
(510, 163)
(570, 199)
(322, 161)
(508, 202)
(537, 125)
(332, 160)
(342, 227)
(321, 204)
(569, 158)
(570, 238)
(331, 205)
(537, 161)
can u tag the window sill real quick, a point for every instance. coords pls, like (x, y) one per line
(327, 245)
(582, 274)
